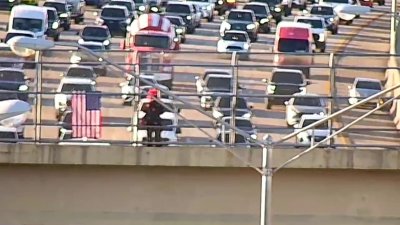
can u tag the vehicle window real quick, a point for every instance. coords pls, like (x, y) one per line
(321, 10)
(8, 135)
(269, 2)
(225, 102)
(284, 77)
(94, 32)
(321, 126)
(176, 21)
(257, 9)
(113, 13)
(60, 7)
(177, 8)
(51, 15)
(12, 76)
(128, 5)
(139, 1)
(33, 25)
(77, 87)
(94, 47)
(152, 41)
(338, 1)
(244, 16)
(219, 84)
(234, 37)
(307, 101)
(293, 45)
(368, 85)
(313, 23)
(80, 72)
(11, 35)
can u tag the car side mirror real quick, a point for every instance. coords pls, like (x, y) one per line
(265, 80)
(179, 110)
(122, 45)
(251, 107)
(1, 40)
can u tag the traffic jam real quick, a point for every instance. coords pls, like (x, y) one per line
(145, 32)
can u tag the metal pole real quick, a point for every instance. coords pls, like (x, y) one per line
(393, 27)
(332, 86)
(235, 84)
(266, 183)
(38, 96)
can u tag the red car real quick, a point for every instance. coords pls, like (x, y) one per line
(369, 3)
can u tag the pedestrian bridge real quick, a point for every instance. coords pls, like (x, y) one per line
(96, 185)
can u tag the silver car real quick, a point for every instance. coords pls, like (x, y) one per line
(235, 41)
(207, 8)
(298, 106)
(364, 88)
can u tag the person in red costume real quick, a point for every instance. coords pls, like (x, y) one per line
(153, 110)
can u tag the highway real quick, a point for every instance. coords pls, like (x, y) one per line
(368, 34)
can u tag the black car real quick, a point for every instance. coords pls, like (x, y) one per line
(130, 5)
(154, 7)
(184, 10)
(263, 15)
(222, 107)
(180, 27)
(62, 12)
(241, 19)
(14, 80)
(284, 82)
(221, 6)
(8, 5)
(116, 18)
(54, 28)
(274, 7)
(96, 33)
(141, 6)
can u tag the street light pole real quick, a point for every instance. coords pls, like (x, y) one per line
(393, 23)
(38, 111)
(266, 183)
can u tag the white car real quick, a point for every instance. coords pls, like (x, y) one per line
(364, 88)
(319, 30)
(298, 106)
(347, 10)
(79, 71)
(235, 41)
(213, 84)
(11, 134)
(315, 135)
(170, 122)
(66, 87)
(207, 8)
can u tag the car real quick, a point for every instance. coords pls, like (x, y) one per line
(54, 29)
(154, 6)
(198, 15)
(364, 88)
(222, 107)
(96, 33)
(77, 10)
(13, 79)
(235, 41)
(180, 27)
(263, 15)
(169, 128)
(10, 134)
(8, 57)
(240, 19)
(116, 18)
(313, 135)
(330, 16)
(275, 8)
(284, 82)
(8, 4)
(62, 11)
(207, 8)
(380, 2)
(299, 105)
(129, 4)
(129, 89)
(241, 123)
(211, 85)
(222, 6)
(80, 72)
(353, 9)
(141, 6)
(184, 10)
(81, 57)
(318, 27)
(64, 92)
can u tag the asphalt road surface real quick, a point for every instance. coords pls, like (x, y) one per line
(368, 34)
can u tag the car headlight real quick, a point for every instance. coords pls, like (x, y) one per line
(321, 38)
(220, 2)
(331, 19)
(142, 8)
(277, 9)
(63, 15)
(81, 41)
(128, 21)
(100, 59)
(179, 30)
(250, 26)
(226, 25)
(265, 20)
(23, 88)
(106, 42)
(203, 7)
(246, 46)
(253, 136)
(55, 25)
(322, 113)
(271, 88)
(11, 0)
(246, 115)
(189, 17)
(75, 59)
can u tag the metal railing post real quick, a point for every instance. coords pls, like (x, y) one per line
(235, 84)
(38, 97)
(266, 183)
(332, 87)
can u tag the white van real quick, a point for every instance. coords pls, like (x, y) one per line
(28, 18)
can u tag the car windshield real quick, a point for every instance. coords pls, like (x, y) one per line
(338, 1)
(139, 1)
(177, 8)
(293, 45)
(219, 83)
(8, 96)
(76, 87)
(319, 10)
(34, 25)
(313, 23)
(257, 9)
(308, 122)
(80, 72)
(60, 7)
(128, 5)
(243, 16)
(225, 102)
(113, 13)
(94, 32)
(269, 2)
(176, 21)
(51, 15)
(307, 101)
(11, 35)
(152, 41)
(234, 37)
(94, 47)
(285, 77)
(12, 76)
(368, 85)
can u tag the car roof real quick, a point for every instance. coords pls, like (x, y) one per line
(180, 3)
(8, 129)
(95, 26)
(218, 71)
(175, 17)
(50, 8)
(368, 80)
(218, 76)
(131, 1)
(323, 4)
(294, 24)
(76, 80)
(308, 17)
(287, 71)
(312, 117)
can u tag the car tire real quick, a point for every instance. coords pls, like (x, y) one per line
(210, 19)
(349, 22)
(183, 40)
(67, 27)
(335, 31)
(268, 104)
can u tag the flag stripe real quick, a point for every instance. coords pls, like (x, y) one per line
(86, 115)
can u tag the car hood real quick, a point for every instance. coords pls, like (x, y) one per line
(232, 43)
(318, 30)
(366, 92)
(308, 109)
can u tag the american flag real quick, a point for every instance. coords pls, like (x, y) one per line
(86, 115)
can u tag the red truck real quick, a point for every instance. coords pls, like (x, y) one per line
(148, 39)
